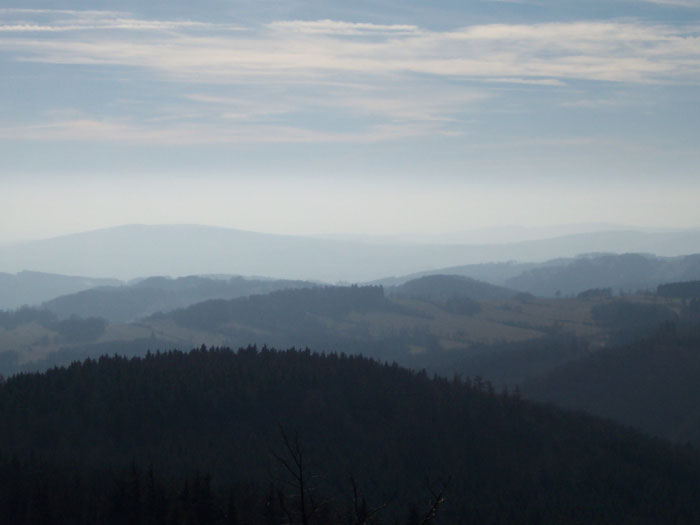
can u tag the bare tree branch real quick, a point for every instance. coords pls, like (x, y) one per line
(294, 465)
(437, 499)
(363, 516)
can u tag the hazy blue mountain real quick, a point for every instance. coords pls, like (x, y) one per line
(628, 272)
(493, 272)
(31, 288)
(570, 276)
(160, 294)
(492, 235)
(131, 251)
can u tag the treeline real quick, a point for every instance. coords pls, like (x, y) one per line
(293, 310)
(511, 364)
(40, 492)
(629, 321)
(71, 330)
(11, 319)
(121, 304)
(684, 290)
(442, 288)
(142, 433)
(650, 384)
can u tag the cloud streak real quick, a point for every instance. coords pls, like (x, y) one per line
(87, 130)
(601, 51)
(676, 3)
(402, 79)
(55, 21)
(335, 27)
(115, 24)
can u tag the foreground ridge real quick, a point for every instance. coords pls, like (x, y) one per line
(206, 436)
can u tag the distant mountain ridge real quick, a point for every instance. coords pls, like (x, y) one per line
(496, 234)
(120, 301)
(629, 272)
(129, 251)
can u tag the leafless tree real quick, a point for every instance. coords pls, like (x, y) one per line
(293, 462)
(437, 498)
(363, 515)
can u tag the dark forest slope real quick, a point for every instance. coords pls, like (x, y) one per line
(395, 432)
(651, 384)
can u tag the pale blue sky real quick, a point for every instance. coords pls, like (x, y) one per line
(374, 117)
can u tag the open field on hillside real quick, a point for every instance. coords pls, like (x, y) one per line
(413, 327)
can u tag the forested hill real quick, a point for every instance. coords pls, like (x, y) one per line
(199, 438)
(160, 294)
(292, 310)
(442, 288)
(651, 384)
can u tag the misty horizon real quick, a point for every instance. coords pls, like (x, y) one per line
(134, 251)
(491, 234)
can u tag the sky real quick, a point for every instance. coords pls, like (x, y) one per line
(366, 117)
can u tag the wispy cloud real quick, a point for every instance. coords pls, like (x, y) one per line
(552, 52)
(122, 23)
(86, 130)
(266, 116)
(65, 20)
(246, 108)
(676, 3)
(597, 103)
(72, 12)
(403, 80)
(397, 105)
(335, 27)
(417, 106)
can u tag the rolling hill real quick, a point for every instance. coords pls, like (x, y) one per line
(458, 334)
(210, 433)
(649, 384)
(159, 294)
(442, 288)
(33, 288)
(629, 272)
